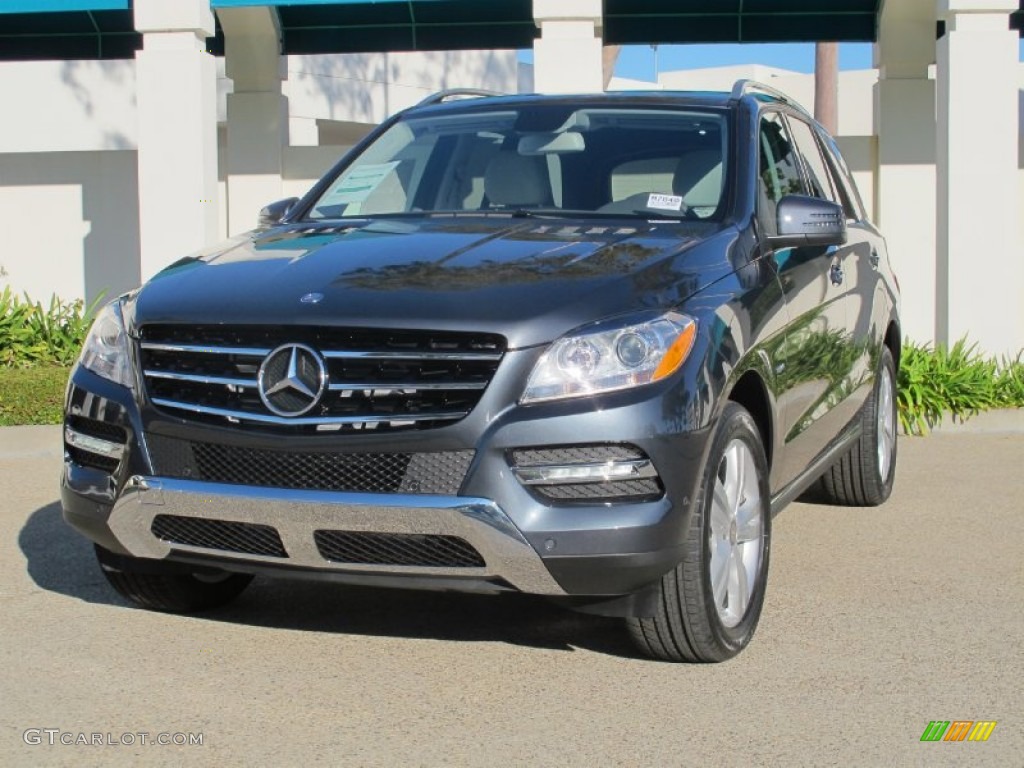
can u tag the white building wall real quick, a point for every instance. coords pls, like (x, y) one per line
(68, 163)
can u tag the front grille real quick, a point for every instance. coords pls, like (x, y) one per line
(224, 535)
(631, 490)
(377, 380)
(411, 549)
(429, 473)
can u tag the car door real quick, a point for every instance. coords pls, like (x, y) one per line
(867, 298)
(813, 362)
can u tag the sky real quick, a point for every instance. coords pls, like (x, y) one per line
(637, 61)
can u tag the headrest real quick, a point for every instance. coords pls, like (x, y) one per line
(698, 178)
(514, 180)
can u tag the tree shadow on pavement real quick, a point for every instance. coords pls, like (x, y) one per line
(62, 561)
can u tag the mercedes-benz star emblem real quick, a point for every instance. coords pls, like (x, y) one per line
(291, 380)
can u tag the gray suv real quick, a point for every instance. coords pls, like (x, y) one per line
(575, 346)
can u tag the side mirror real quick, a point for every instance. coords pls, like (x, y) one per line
(808, 221)
(272, 215)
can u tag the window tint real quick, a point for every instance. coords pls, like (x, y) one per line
(817, 171)
(843, 180)
(779, 172)
(616, 160)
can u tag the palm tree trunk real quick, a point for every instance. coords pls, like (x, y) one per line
(826, 85)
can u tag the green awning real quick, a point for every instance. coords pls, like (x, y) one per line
(104, 29)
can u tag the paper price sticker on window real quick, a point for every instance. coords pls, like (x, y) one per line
(358, 184)
(665, 202)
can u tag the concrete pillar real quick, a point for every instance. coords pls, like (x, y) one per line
(567, 55)
(905, 187)
(257, 114)
(176, 86)
(981, 262)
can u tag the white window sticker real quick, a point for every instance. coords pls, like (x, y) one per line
(665, 202)
(359, 183)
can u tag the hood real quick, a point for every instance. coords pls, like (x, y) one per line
(530, 280)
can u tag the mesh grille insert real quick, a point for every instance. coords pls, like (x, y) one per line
(225, 535)
(415, 549)
(104, 430)
(92, 460)
(427, 473)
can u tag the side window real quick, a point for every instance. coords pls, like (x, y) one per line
(817, 171)
(851, 201)
(779, 172)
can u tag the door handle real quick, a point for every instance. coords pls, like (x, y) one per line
(836, 274)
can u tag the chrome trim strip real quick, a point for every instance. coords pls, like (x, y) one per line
(604, 472)
(385, 355)
(307, 420)
(200, 379)
(92, 444)
(421, 385)
(245, 351)
(296, 514)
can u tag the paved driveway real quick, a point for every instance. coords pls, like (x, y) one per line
(877, 621)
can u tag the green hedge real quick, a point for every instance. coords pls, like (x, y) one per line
(33, 395)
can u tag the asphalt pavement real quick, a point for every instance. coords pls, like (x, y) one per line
(877, 621)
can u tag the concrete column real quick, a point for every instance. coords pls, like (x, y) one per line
(567, 55)
(257, 115)
(905, 180)
(176, 86)
(980, 280)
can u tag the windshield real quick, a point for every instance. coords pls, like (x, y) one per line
(615, 161)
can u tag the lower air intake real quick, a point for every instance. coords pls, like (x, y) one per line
(411, 549)
(223, 535)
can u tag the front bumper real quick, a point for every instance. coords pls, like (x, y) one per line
(527, 544)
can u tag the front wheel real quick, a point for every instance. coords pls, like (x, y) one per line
(171, 592)
(709, 605)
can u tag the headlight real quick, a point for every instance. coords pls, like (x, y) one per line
(608, 359)
(105, 351)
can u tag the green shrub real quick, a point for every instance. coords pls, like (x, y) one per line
(957, 381)
(32, 395)
(31, 334)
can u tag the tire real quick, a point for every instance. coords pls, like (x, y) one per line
(173, 592)
(704, 612)
(864, 476)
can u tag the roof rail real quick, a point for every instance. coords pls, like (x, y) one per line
(454, 93)
(743, 87)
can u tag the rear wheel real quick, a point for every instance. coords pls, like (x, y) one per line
(864, 476)
(709, 605)
(171, 592)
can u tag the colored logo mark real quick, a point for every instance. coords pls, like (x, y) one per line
(958, 730)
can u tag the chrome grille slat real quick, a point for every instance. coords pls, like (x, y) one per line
(386, 355)
(344, 386)
(305, 420)
(207, 350)
(377, 379)
(226, 380)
